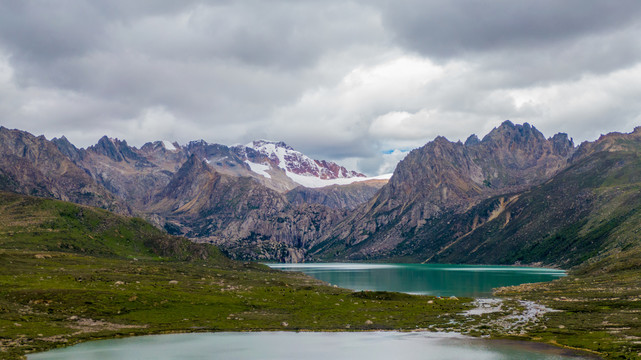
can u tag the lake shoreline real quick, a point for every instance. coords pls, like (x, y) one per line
(467, 329)
(523, 344)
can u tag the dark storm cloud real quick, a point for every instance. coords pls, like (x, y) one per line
(443, 28)
(336, 79)
(209, 62)
(284, 35)
(522, 42)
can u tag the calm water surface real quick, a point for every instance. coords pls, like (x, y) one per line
(424, 279)
(308, 346)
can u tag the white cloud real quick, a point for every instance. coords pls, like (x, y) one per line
(587, 107)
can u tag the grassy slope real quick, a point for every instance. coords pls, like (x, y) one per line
(70, 273)
(601, 299)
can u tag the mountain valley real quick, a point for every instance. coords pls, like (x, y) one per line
(74, 272)
(508, 198)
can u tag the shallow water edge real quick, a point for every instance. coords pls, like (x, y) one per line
(376, 345)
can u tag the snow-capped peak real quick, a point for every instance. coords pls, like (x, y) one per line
(256, 144)
(297, 165)
(169, 146)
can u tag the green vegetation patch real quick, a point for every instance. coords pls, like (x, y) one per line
(600, 313)
(55, 299)
(70, 273)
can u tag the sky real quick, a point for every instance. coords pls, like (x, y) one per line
(357, 82)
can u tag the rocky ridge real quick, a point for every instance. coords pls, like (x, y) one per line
(209, 193)
(511, 197)
(445, 176)
(34, 166)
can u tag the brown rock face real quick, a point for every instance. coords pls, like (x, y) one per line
(34, 166)
(246, 219)
(446, 176)
(611, 142)
(133, 175)
(205, 192)
(337, 196)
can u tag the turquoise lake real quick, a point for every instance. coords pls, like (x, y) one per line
(423, 279)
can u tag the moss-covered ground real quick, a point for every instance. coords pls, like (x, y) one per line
(598, 312)
(70, 273)
(50, 299)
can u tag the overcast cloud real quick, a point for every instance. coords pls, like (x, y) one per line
(356, 82)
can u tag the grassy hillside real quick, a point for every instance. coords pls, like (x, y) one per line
(70, 273)
(36, 224)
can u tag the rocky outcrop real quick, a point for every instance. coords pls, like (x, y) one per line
(337, 196)
(611, 142)
(132, 174)
(35, 166)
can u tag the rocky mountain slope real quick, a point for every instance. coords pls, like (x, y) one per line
(34, 166)
(444, 176)
(248, 220)
(337, 196)
(208, 192)
(587, 213)
(136, 174)
(514, 196)
(131, 174)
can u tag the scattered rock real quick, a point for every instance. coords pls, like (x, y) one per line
(173, 282)
(119, 283)
(485, 306)
(369, 322)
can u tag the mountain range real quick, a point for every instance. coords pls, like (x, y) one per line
(512, 197)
